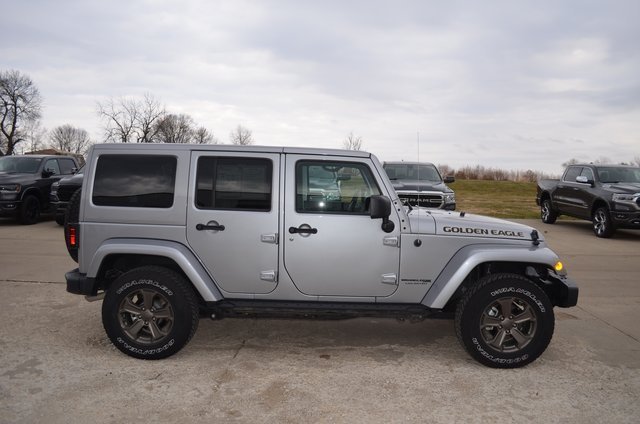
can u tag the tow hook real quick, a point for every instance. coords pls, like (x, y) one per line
(95, 298)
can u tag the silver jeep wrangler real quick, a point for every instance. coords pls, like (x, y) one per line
(166, 234)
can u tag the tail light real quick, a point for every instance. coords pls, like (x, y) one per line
(72, 239)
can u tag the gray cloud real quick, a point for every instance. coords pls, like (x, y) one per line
(507, 84)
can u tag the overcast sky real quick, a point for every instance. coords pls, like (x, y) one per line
(507, 84)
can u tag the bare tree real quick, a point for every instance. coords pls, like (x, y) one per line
(637, 160)
(68, 138)
(445, 170)
(203, 136)
(150, 112)
(182, 129)
(571, 161)
(34, 137)
(20, 104)
(241, 136)
(175, 129)
(128, 120)
(352, 142)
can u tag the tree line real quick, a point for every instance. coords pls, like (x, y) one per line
(125, 120)
(147, 120)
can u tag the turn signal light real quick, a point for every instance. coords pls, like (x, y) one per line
(558, 266)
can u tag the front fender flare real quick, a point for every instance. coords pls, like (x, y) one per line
(467, 258)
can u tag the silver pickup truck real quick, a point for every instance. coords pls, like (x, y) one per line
(167, 234)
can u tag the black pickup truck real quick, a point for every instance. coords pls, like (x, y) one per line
(25, 182)
(606, 195)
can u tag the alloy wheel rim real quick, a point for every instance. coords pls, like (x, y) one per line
(146, 316)
(508, 324)
(599, 222)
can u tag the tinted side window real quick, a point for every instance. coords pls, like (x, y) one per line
(572, 173)
(138, 181)
(234, 184)
(333, 187)
(52, 166)
(587, 172)
(66, 166)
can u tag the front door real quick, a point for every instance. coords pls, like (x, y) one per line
(232, 219)
(332, 247)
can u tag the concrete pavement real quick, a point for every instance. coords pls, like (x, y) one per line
(58, 366)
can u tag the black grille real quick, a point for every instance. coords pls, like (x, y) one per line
(427, 200)
(65, 192)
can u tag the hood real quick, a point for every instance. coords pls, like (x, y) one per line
(623, 188)
(460, 224)
(16, 178)
(75, 179)
(415, 185)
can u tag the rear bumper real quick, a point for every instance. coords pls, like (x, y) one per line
(79, 283)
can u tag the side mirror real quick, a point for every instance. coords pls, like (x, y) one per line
(47, 173)
(449, 179)
(380, 207)
(584, 180)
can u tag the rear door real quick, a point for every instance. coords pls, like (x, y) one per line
(332, 247)
(232, 219)
(566, 194)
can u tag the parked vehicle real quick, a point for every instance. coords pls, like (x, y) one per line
(606, 195)
(61, 192)
(420, 184)
(166, 234)
(25, 183)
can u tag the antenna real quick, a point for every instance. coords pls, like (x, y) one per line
(418, 205)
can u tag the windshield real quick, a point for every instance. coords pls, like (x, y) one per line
(19, 164)
(414, 172)
(612, 175)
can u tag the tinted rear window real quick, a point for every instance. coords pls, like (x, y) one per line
(234, 184)
(137, 181)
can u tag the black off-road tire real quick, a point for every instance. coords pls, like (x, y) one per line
(60, 219)
(71, 217)
(150, 312)
(29, 212)
(602, 224)
(547, 214)
(505, 321)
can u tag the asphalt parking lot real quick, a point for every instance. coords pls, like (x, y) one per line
(59, 367)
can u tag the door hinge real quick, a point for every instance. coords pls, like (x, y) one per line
(390, 279)
(393, 241)
(270, 276)
(269, 238)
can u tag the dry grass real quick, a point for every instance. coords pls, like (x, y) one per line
(500, 199)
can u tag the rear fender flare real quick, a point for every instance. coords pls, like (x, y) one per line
(181, 255)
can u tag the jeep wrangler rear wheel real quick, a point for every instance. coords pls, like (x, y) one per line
(505, 321)
(150, 312)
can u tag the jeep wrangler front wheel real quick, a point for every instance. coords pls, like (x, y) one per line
(505, 321)
(150, 312)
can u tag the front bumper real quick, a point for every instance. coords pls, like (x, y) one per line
(9, 208)
(563, 290)
(626, 219)
(79, 283)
